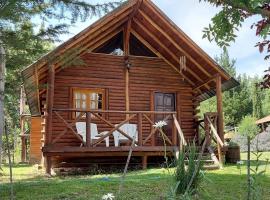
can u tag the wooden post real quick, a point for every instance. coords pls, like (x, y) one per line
(23, 153)
(140, 128)
(127, 64)
(49, 113)
(144, 162)
(48, 163)
(88, 129)
(207, 131)
(220, 127)
(174, 135)
(50, 99)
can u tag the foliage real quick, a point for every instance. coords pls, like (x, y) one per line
(183, 173)
(225, 24)
(256, 187)
(257, 99)
(235, 99)
(248, 126)
(28, 29)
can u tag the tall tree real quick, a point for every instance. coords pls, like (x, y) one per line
(56, 16)
(257, 98)
(2, 89)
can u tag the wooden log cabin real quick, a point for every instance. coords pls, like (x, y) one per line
(132, 66)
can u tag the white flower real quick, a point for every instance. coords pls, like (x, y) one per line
(160, 124)
(108, 196)
(240, 162)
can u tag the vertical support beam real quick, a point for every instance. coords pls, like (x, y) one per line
(48, 163)
(49, 113)
(88, 129)
(207, 130)
(50, 99)
(140, 128)
(127, 64)
(144, 162)
(174, 135)
(152, 108)
(23, 153)
(220, 127)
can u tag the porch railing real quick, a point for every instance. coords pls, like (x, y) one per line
(137, 117)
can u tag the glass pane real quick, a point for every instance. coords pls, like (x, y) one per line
(93, 96)
(78, 104)
(83, 104)
(100, 97)
(99, 104)
(77, 95)
(84, 96)
(93, 105)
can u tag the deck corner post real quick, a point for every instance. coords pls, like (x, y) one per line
(220, 127)
(48, 165)
(144, 162)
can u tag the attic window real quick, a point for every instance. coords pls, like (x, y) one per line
(113, 46)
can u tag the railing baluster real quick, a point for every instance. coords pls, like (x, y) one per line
(88, 129)
(140, 129)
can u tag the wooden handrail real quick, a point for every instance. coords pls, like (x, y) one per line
(215, 132)
(116, 127)
(179, 130)
(113, 111)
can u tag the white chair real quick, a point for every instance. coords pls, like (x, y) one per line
(129, 129)
(81, 129)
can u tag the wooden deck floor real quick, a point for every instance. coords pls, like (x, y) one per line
(108, 151)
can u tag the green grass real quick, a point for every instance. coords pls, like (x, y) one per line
(225, 184)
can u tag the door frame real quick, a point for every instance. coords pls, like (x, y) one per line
(177, 108)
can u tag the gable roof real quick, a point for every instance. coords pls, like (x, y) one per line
(151, 27)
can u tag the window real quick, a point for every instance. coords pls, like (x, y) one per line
(88, 99)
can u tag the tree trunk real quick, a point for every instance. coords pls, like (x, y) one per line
(9, 164)
(2, 88)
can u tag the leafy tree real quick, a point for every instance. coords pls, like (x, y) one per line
(248, 127)
(230, 18)
(21, 44)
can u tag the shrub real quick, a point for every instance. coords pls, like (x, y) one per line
(184, 172)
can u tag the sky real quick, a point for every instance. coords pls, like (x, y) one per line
(192, 16)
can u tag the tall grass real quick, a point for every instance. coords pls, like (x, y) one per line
(185, 170)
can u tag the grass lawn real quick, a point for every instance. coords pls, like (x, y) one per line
(225, 184)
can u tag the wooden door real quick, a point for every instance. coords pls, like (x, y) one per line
(164, 102)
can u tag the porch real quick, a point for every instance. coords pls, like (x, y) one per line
(149, 140)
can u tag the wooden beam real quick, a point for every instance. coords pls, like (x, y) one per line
(213, 78)
(49, 103)
(173, 42)
(159, 55)
(220, 114)
(126, 53)
(169, 23)
(172, 55)
(88, 129)
(90, 31)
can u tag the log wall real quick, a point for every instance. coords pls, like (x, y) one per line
(147, 75)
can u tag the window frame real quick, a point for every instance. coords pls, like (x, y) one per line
(88, 100)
